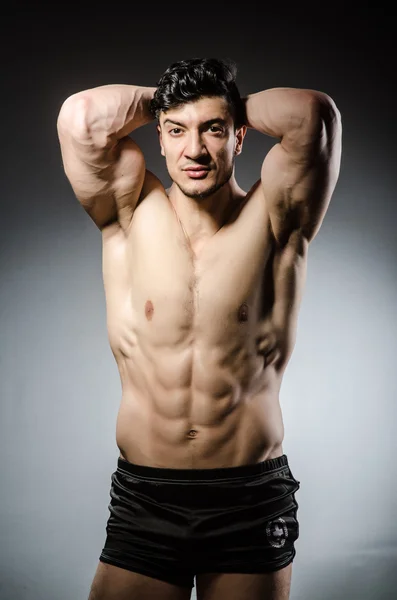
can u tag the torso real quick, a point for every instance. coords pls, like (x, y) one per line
(183, 322)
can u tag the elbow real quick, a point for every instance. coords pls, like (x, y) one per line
(82, 120)
(323, 110)
(73, 115)
(323, 122)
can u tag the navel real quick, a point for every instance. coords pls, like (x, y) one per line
(149, 310)
(243, 313)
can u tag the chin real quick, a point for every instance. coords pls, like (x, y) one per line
(199, 192)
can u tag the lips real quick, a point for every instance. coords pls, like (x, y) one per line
(196, 172)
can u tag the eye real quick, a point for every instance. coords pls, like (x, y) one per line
(216, 129)
(175, 131)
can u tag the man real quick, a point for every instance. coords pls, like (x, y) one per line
(203, 283)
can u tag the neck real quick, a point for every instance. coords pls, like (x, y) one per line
(201, 217)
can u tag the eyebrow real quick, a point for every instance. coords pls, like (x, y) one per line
(208, 123)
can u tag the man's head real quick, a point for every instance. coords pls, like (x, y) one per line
(201, 123)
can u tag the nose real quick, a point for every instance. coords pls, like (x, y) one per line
(195, 147)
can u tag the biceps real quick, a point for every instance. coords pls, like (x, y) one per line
(87, 168)
(106, 181)
(298, 190)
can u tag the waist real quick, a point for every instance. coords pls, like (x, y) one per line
(199, 437)
(244, 471)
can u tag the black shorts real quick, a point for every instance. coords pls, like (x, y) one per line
(172, 524)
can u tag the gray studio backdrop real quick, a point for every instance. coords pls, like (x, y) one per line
(59, 384)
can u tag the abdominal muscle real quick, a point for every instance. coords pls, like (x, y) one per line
(213, 422)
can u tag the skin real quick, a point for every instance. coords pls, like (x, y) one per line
(213, 277)
(207, 406)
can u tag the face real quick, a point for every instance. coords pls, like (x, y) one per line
(200, 144)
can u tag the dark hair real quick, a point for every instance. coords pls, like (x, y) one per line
(188, 80)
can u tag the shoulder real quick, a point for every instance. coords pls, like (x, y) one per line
(152, 182)
(152, 186)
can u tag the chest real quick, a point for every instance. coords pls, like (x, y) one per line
(162, 281)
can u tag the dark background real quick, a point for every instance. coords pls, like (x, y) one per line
(48, 55)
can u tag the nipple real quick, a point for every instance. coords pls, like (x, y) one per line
(243, 313)
(149, 310)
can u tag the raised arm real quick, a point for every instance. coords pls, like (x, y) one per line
(105, 167)
(300, 172)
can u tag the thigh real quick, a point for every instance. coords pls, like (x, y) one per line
(234, 586)
(113, 583)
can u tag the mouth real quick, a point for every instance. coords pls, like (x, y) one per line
(196, 172)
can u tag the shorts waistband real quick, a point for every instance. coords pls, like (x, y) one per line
(242, 471)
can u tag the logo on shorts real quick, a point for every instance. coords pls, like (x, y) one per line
(277, 532)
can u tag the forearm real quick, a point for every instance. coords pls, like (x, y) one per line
(281, 111)
(107, 113)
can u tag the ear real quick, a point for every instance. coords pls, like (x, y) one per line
(240, 135)
(160, 140)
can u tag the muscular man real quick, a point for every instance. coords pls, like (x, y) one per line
(203, 283)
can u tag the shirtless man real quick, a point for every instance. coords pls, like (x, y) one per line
(203, 283)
